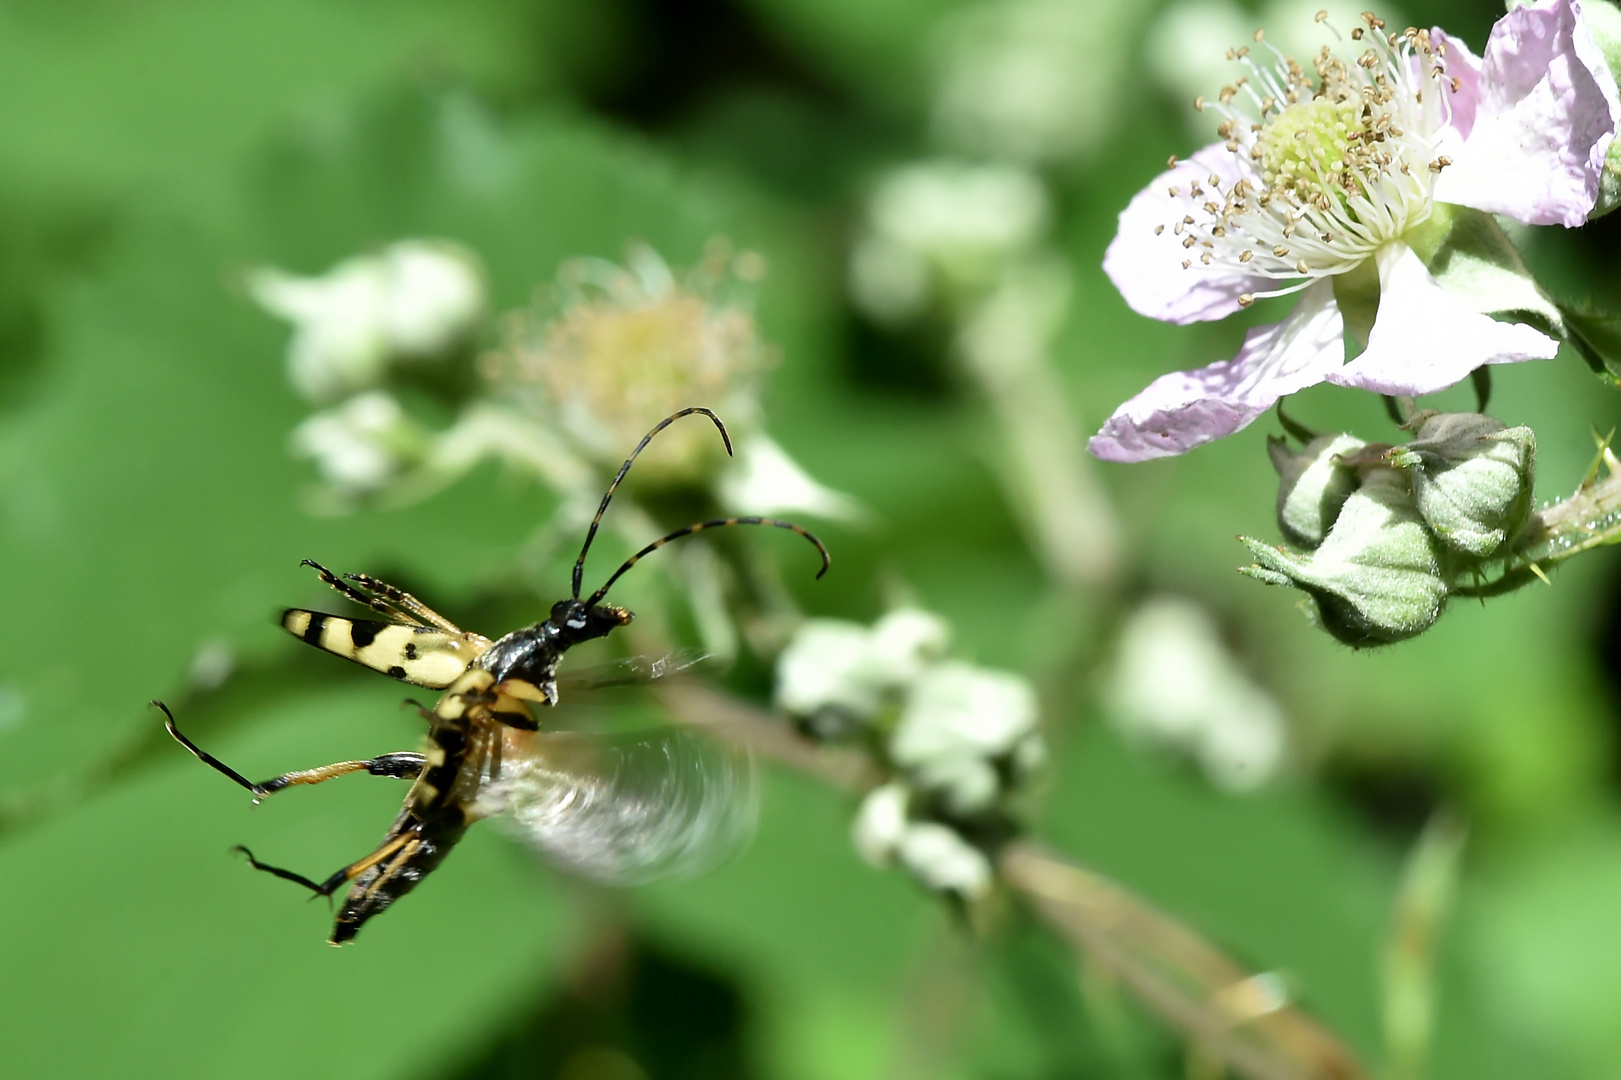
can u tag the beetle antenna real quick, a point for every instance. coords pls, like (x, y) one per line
(718, 523)
(591, 533)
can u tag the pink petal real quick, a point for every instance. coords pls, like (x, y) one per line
(1186, 408)
(1147, 268)
(1546, 113)
(1424, 339)
(1464, 66)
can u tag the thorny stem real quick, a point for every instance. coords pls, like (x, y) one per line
(1224, 1011)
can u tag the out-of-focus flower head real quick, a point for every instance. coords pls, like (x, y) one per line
(962, 743)
(885, 831)
(1032, 80)
(361, 446)
(1175, 683)
(416, 300)
(1331, 185)
(942, 233)
(969, 734)
(609, 350)
(836, 673)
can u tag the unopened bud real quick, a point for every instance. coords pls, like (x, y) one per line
(1376, 578)
(1312, 485)
(1472, 479)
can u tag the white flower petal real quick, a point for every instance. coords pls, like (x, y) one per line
(1424, 339)
(824, 667)
(956, 709)
(943, 860)
(1147, 266)
(765, 480)
(1544, 114)
(880, 824)
(435, 296)
(1187, 408)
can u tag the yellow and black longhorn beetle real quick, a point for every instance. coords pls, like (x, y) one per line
(484, 752)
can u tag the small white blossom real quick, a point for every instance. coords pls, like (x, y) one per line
(608, 350)
(1175, 683)
(880, 824)
(833, 664)
(414, 300)
(943, 230)
(958, 720)
(360, 446)
(825, 667)
(907, 639)
(940, 858)
(764, 480)
(934, 853)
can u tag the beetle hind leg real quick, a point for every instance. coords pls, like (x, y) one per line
(285, 875)
(403, 765)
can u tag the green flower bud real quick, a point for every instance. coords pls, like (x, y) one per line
(1376, 578)
(1472, 479)
(1312, 485)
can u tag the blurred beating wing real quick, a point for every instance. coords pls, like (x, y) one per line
(633, 671)
(628, 809)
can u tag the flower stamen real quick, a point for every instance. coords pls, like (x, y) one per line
(1327, 162)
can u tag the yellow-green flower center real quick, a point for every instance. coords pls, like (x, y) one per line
(1307, 151)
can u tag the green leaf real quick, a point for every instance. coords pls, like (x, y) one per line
(826, 939)
(137, 914)
(1470, 255)
(169, 94)
(1597, 336)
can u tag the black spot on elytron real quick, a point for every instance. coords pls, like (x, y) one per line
(363, 632)
(396, 672)
(312, 632)
(410, 650)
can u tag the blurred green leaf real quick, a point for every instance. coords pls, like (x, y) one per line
(154, 454)
(824, 941)
(165, 94)
(1597, 337)
(187, 963)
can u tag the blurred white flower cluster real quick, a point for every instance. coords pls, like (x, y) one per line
(1033, 80)
(569, 386)
(963, 240)
(943, 233)
(415, 303)
(961, 742)
(573, 383)
(1174, 683)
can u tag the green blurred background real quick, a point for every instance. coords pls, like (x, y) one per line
(150, 513)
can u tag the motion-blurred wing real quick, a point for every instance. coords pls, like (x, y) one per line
(633, 671)
(628, 809)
